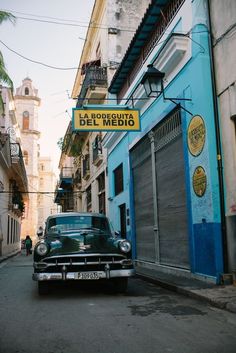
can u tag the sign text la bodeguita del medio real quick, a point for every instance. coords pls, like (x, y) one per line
(105, 119)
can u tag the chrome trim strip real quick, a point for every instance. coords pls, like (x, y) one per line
(45, 265)
(85, 255)
(74, 275)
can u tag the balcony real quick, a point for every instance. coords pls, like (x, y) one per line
(18, 165)
(64, 198)
(65, 177)
(5, 152)
(64, 191)
(94, 87)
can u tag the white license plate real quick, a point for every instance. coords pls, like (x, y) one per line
(88, 275)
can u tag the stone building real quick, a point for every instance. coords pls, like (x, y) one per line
(223, 42)
(13, 178)
(168, 175)
(47, 183)
(27, 105)
(111, 28)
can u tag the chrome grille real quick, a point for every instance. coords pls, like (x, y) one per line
(84, 260)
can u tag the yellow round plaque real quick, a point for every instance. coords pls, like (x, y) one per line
(199, 181)
(196, 135)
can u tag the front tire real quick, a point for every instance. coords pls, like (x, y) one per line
(43, 288)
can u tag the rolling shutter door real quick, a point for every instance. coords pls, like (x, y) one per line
(172, 207)
(143, 201)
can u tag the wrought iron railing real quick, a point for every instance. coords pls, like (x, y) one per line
(94, 77)
(97, 148)
(17, 158)
(168, 13)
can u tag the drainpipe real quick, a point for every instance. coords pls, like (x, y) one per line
(155, 208)
(218, 147)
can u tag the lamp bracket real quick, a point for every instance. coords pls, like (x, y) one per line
(172, 100)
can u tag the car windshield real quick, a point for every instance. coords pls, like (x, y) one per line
(78, 222)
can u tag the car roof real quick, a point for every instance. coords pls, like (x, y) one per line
(69, 214)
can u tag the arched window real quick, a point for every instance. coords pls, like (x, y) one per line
(26, 157)
(26, 91)
(25, 120)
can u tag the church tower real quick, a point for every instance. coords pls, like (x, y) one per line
(27, 104)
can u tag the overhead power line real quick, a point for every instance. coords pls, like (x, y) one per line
(41, 16)
(38, 62)
(110, 66)
(73, 23)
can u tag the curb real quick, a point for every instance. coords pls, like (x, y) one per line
(6, 257)
(231, 307)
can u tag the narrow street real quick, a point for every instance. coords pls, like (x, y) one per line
(91, 319)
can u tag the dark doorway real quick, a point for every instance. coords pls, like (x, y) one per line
(123, 220)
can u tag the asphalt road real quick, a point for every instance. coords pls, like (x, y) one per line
(91, 319)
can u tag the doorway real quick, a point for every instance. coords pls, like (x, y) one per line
(123, 220)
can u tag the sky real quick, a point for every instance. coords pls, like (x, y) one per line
(58, 45)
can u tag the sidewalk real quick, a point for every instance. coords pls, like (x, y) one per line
(8, 256)
(223, 297)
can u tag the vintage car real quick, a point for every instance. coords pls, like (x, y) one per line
(81, 246)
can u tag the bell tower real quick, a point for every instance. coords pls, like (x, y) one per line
(27, 104)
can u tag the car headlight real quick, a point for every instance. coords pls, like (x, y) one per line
(125, 246)
(42, 249)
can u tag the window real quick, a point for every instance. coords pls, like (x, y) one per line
(26, 120)
(101, 193)
(118, 179)
(26, 157)
(89, 198)
(77, 222)
(26, 91)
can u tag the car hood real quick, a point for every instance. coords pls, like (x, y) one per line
(81, 242)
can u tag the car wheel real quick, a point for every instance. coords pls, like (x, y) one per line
(120, 285)
(43, 288)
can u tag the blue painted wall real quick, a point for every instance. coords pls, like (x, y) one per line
(193, 81)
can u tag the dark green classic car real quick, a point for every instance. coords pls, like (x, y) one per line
(81, 246)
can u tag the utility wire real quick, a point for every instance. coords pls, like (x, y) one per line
(40, 16)
(80, 68)
(38, 62)
(75, 24)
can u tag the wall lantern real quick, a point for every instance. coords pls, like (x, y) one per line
(153, 84)
(153, 81)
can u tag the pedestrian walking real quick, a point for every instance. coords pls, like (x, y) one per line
(28, 245)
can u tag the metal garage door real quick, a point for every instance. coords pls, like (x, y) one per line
(143, 200)
(171, 203)
(173, 249)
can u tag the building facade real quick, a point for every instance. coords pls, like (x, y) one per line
(13, 178)
(27, 104)
(164, 181)
(224, 58)
(112, 25)
(47, 183)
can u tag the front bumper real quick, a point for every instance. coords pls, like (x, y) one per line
(62, 276)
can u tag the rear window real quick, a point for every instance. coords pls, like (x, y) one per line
(77, 222)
